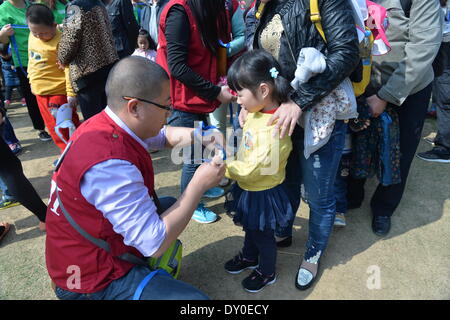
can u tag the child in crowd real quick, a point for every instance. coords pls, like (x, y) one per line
(146, 47)
(259, 198)
(11, 80)
(49, 83)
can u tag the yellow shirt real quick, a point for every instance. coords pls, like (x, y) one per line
(46, 78)
(261, 159)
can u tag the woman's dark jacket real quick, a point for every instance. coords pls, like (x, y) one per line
(341, 49)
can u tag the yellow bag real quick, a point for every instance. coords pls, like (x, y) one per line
(365, 49)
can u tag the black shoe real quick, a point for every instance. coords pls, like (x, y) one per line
(435, 155)
(285, 242)
(44, 136)
(255, 282)
(309, 267)
(239, 264)
(381, 225)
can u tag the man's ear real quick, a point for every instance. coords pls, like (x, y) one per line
(132, 106)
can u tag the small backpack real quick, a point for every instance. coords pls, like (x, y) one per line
(377, 20)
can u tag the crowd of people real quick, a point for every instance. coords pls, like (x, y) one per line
(325, 93)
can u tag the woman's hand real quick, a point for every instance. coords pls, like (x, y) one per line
(287, 115)
(242, 117)
(225, 95)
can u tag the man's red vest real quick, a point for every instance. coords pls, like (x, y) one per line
(200, 59)
(74, 263)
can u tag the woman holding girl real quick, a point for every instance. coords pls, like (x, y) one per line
(283, 28)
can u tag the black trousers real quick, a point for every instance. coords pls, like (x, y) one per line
(91, 94)
(32, 105)
(386, 199)
(11, 172)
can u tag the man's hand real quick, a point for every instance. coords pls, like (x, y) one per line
(376, 105)
(225, 95)
(73, 102)
(209, 174)
(287, 115)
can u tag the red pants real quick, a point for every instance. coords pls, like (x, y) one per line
(46, 103)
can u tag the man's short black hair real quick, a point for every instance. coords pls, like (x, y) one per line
(38, 13)
(136, 77)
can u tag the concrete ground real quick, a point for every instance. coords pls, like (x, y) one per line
(411, 263)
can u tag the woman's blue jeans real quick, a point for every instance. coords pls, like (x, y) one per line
(186, 119)
(317, 174)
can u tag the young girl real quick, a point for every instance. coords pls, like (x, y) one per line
(146, 47)
(259, 198)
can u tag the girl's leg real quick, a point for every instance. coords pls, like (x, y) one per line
(45, 103)
(265, 243)
(19, 186)
(8, 132)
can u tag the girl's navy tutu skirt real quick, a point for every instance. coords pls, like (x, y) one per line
(260, 210)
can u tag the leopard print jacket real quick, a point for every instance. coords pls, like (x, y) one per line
(87, 43)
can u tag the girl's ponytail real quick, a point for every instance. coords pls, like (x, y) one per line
(282, 89)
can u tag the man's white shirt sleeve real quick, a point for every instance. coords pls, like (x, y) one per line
(116, 188)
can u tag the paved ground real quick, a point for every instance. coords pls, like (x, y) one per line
(411, 263)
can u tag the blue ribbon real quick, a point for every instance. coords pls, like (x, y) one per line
(226, 45)
(19, 26)
(386, 121)
(14, 44)
(146, 280)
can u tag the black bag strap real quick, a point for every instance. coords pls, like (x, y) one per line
(129, 257)
(406, 6)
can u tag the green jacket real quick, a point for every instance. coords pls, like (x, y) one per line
(407, 68)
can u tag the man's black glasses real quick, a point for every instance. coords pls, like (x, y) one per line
(167, 108)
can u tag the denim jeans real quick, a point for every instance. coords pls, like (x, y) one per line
(341, 183)
(160, 287)
(318, 175)
(186, 119)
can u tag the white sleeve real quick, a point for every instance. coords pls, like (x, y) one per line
(116, 188)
